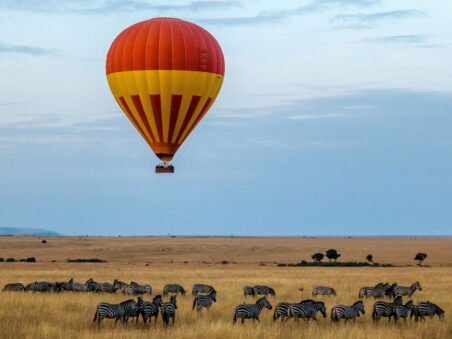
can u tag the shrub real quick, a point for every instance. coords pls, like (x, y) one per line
(10, 260)
(96, 260)
(30, 259)
(44, 241)
(2, 260)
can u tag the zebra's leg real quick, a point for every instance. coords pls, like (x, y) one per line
(243, 320)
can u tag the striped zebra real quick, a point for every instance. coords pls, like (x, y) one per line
(347, 312)
(307, 310)
(151, 309)
(135, 288)
(113, 311)
(79, 287)
(376, 292)
(389, 292)
(106, 287)
(426, 308)
(409, 291)
(323, 290)
(204, 301)
(14, 287)
(263, 290)
(173, 288)
(251, 311)
(65, 286)
(248, 291)
(385, 309)
(41, 286)
(169, 310)
(202, 288)
(134, 310)
(402, 311)
(282, 309)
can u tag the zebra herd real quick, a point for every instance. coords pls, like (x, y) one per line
(204, 296)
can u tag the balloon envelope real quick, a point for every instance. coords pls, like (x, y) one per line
(165, 74)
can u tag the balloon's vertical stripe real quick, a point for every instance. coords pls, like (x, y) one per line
(157, 110)
(193, 105)
(139, 107)
(175, 107)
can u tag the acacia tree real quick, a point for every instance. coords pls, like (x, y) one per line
(332, 254)
(370, 258)
(420, 257)
(318, 257)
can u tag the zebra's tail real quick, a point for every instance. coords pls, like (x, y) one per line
(374, 315)
(194, 303)
(165, 317)
(235, 317)
(95, 315)
(333, 314)
(275, 315)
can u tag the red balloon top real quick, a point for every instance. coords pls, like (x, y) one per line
(165, 44)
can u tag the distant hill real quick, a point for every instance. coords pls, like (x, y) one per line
(27, 231)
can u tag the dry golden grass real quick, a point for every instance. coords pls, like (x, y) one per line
(33, 315)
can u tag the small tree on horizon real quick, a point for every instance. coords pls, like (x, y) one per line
(318, 257)
(420, 257)
(332, 254)
(370, 258)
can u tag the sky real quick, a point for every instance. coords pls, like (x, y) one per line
(335, 118)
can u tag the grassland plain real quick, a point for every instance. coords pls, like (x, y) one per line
(189, 260)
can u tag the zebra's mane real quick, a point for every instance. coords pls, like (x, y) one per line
(358, 302)
(261, 299)
(157, 297)
(127, 302)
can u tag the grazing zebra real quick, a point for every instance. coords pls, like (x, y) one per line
(204, 301)
(384, 309)
(409, 291)
(65, 286)
(323, 290)
(41, 286)
(169, 310)
(282, 309)
(263, 290)
(14, 287)
(173, 288)
(347, 312)
(202, 288)
(134, 310)
(79, 287)
(402, 311)
(248, 291)
(107, 287)
(307, 310)
(428, 309)
(113, 311)
(151, 309)
(251, 311)
(389, 292)
(135, 288)
(376, 292)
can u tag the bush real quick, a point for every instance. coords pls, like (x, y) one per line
(2, 260)
(10, 260)
(96, 260)
(44, 241)
(31, 259)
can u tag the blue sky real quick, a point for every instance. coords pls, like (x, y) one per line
(334, 118)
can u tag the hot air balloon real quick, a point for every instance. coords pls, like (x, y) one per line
(165, 74)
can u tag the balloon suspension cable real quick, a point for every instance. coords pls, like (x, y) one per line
(164, 167)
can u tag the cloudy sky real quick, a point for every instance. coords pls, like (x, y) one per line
(335, 118)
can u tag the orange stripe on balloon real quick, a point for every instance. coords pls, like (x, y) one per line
(191, 109)
(123, 103)
(139, 107)
(200, 115)
(157, 110)
(175, 107)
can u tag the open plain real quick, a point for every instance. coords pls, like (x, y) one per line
(228, 264)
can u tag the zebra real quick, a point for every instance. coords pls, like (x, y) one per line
(248, 291)
(384, 309)
(169, 310)
(251, 311)
(347, 312)
(307, 310)
(409, 291)
(41, 286)
(263, 290)
(133, 310)
(135, 288)
(65, 286)
(402, 311)
(204, 301)
(282, 309)
(151, 309)
(173, 288)
(79, 287)
(323, 290)
(113, 311)
(376, 292)
(14, 287)
(107, 287)
(202, 288)
(426, 308)
(389, 292)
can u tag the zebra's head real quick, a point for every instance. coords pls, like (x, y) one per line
(157, 300)
(182, 290)
(439, 311)
(416, 286)
(89, 281)
(333, 292)
(263, 302)
(320, 306)
(409, 304)
(173, 301)
(398, 301)
(272, 291)
(359, 307)
(213, 296)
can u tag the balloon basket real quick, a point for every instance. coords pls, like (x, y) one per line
(164, 168)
